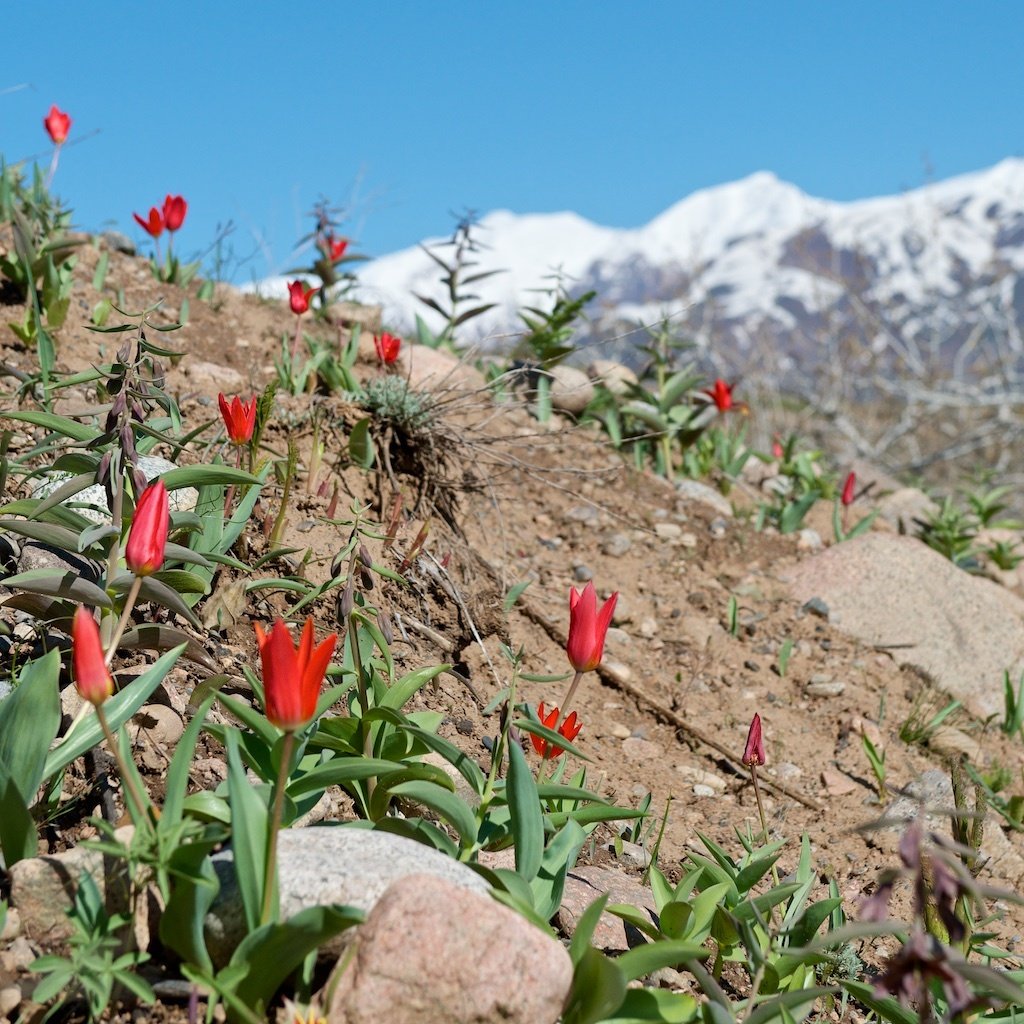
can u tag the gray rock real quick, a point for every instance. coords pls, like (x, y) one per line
(571, 389)
(91, 503)
(215, 376)
(583, 885)
(902, 508)
(43, 889)
(694, 490)
(616, 377)
(434, 369)
(35, 555)
(118, 242)
(825, 688)
(668, 531)
(617, 545)
(326, 865)
(582, 573)
(896, 592)
(431, 952)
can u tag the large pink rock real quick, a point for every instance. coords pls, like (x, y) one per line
(897, 593)
(433, 953)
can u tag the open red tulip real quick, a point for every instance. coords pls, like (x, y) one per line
(334, 248)
(92, 677)
(154, 225)
(239, 418)
(387, 346)
(570, 729)
(721, 394)
(147, 538)
(57, 125)
(292, 676)
(299, 296)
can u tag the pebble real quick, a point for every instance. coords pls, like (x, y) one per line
(669, 531)
(617, 545)
(786, 771)
(636, 749)
(621, 732)
(837, 784)
(582, 514)
(582, 573)
(698, 776)
(831, 688)
(816, 606)
(648, 627)
(688, 540)
(623, 613)
(718, 527)
(809, 540)
(617, 636)
(701, 790)
(617, 669)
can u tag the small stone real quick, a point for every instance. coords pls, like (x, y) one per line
(623, 613)
(648, 627)
(621, 732)
(688, 540)
(616, 545)
(809, 540)
(633, 854)
(837, 784)
(694, 490)
(464, 727)
(582, 573)
(704, 791)
(571, 389)
(582, 514)
(751, 666)
(638, 750)
(786, 771)
(618, 670)
(699, 776)
(827, 688)
(668, 531)
(816, 606)
(12, 925)
(617, 636)
(10, 999)
(718, 528)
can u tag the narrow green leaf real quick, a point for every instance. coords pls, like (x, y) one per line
(250, 827)
(527, 818)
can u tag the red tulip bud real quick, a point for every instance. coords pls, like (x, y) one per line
(588, 627)
(387, 346)
(849, 489)
(753, 752)
(174, 212)
(299, 296)
(292, 676)
(57, 125)
(147, 537)
(721, 394)
(92, 677)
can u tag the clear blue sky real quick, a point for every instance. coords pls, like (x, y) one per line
(408, 109)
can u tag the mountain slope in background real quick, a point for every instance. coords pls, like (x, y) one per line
(755, 259)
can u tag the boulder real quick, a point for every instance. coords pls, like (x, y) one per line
(901, 596)
(571, 389)
(431, 952)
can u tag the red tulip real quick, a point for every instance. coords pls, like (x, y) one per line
(387, 346)
(147, 537)
(849, 490)
(753, 752)
(175, 209)
(588, 627)
(292, 677)
(570, 729)
(721, 394)
(155, 224)
(239, 418)
(57, 125)
(92, 677)
(334, 248)
(299, 296)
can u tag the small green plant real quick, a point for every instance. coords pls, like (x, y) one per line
(785, 653)
(95, 967)
(876, 759)
(458, 278)
(923, 718)
(1013, 706)
(1003, 554)
(800, 483)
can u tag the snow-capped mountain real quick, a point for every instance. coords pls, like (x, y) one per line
(756, 257)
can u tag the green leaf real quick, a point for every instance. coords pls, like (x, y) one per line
(452, 808)
(29, 722)
(598, 989)
(559, 855)
(655, 1005)
(118, 710)
(17, 829)
(58, 424)
(361, 448)
(652, 956)
(584, 932)
(527, 818)
(202, 476)
(514, 594)
(250, 827)
(193, 891)
(63, 583)
(410, 684)
(269, 954)
(152, 637)
(48, 533)
(339, 771)
(796, 1003)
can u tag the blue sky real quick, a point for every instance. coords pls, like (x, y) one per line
(405, 110)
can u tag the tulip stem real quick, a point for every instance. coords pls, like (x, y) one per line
(230, 496)
(760, 812)
(364, 696)
(129, 603)
(53, 166)
(139, 798)
(270, 876)
(564, 709)
(295, 348)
